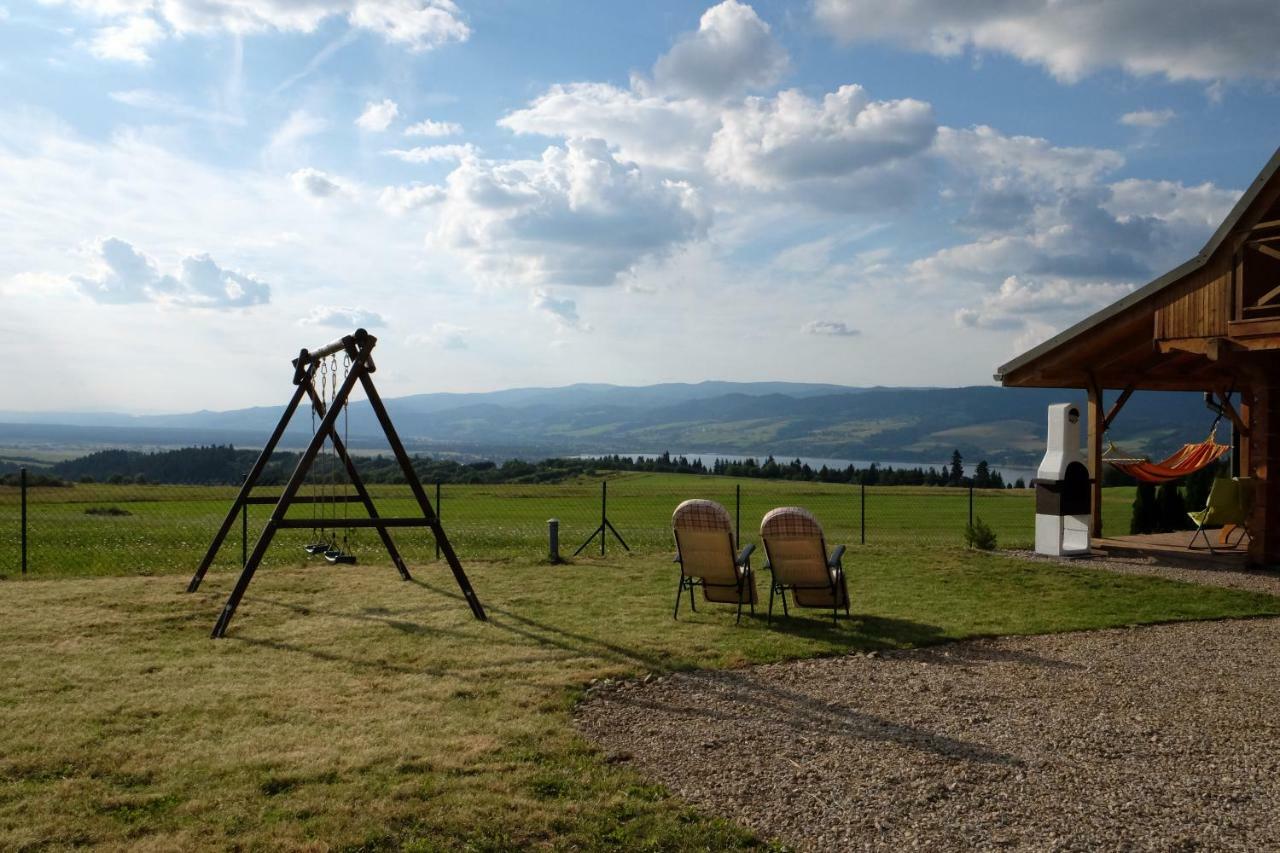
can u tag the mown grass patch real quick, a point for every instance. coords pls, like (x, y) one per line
(350, 709)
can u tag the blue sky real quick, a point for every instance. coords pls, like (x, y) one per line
(543, 193)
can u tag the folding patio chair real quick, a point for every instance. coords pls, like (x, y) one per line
(797, 559)
(705, 552)
(1228, 507)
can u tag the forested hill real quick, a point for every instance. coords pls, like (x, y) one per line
(1005, 426)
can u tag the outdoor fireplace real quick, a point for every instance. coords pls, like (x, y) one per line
(1063, 494)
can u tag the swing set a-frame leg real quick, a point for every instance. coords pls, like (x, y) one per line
(290, 491)
(419, 494)
(251, 480)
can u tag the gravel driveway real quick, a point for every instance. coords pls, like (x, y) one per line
(1160, 738)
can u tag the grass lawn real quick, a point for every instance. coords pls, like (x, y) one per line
(349, 709)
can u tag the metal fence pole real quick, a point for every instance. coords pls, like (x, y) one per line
(971, 504)
(244, 534)
(438, 516)
(604, 515)
(22, 483)
(862, 507)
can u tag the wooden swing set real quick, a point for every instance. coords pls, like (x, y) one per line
(328, 403)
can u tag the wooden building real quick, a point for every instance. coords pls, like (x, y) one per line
(1211, 324)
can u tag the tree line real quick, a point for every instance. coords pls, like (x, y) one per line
(226, 465)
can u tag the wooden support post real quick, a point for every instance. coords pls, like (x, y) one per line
(1264, 452)
(1243, 457)
(1096, 430)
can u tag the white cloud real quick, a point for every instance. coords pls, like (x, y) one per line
(732, 51)
(1059, 239)
(427, 127)
(831, 328)
(378, 115)
(433, 153)
(288, 140)
(1227, 39)
(771, 142)
(418, 25)
(645, 128)
(342, 317)
(314, 183)
(1021, 303)
(563, 311)
(577, 216)
(398, 200)
(147, 99)
(127, 41)
(132, 26)
(1147, 118)
(444, 336)
(124, 275)
(1194, 211)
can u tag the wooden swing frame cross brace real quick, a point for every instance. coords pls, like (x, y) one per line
(359, 348)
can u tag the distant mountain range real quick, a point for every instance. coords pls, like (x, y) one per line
(785, 419)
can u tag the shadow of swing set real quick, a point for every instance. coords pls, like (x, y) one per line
(328, 403)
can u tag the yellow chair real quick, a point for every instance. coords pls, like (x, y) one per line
(1229, 505)
(705, 552)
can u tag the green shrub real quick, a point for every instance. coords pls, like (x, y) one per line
(980, 535)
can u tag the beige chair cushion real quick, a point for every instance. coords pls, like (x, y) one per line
(798, 556)
(704, 540)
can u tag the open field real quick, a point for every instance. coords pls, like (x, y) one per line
(348, 709)
(168, 527)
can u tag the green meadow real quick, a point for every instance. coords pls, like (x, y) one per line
(98, 529)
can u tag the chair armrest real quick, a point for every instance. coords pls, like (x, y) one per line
(836, 556)
(744, 558)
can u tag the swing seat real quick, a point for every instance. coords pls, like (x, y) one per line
(339, 557)
(316, 547)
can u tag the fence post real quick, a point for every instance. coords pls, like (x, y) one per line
(737, 512)
(604, 515)
(438, 517)
(862, 506)
(244, 534)
(553, 539)
(22, 484)
(971, 504)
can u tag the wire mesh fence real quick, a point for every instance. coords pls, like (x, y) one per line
(128, 528)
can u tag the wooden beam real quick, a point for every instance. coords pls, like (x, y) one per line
(1096, 430)
(1262, 226)
(1241, 329)
(1264, 431)
(1117, 406)
(1267, 250)
(1224, 400)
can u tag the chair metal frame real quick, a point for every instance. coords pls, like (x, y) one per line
(836, 583)
(744, 585)
(1224, 543)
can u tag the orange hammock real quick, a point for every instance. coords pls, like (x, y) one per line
(1188, 460)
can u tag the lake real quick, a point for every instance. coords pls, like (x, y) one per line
(1010, 474)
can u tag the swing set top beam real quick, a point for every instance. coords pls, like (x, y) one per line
(359, 340)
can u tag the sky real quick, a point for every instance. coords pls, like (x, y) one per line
(535, 194)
